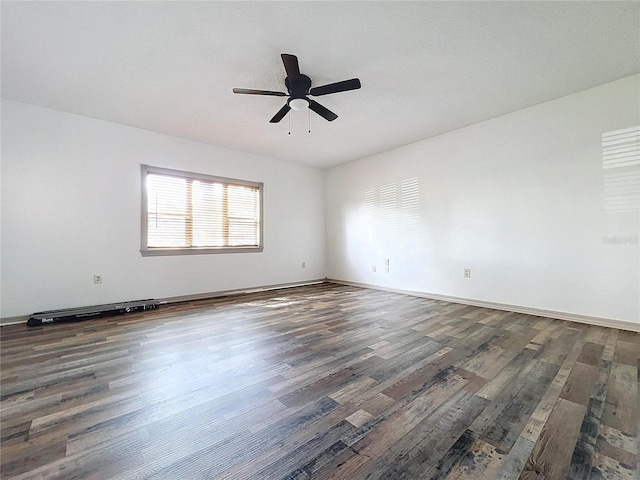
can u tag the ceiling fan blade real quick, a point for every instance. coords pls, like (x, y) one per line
(281, 113)
(249, 91)
(343, 86)
(322, 111)
(291, 66)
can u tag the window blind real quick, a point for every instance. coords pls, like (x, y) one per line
(196, 213)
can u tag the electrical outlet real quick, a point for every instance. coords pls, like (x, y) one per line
(97, 278)
(386, 265)
(304, 264)
(467, 273)
(373, 268)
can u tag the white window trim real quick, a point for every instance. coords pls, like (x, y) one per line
(155, 251)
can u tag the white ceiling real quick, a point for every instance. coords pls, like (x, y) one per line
(425, 67)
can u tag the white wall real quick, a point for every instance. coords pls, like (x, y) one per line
(519, 199)
(71, 208)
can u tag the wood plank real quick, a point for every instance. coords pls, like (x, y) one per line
(586, 445)
(620, 409)
(481, 462)
(552, 452)
(580, 383)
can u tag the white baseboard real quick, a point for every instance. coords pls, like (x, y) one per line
(243, 291)
(571, 317)
(190, 298)
(4, 321)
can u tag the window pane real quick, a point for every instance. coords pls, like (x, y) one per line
(242, 232)
(167, 207)
(208, 221)
(166, 231)
(243, 202)
(243, 216)
(167, 194)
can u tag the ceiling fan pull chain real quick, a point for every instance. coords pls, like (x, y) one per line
(309, 119)
(289, 124)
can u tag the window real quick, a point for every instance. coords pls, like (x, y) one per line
(190, 213)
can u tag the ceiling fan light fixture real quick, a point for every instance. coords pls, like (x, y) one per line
(299, 104)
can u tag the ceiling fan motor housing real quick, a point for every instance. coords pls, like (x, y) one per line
(299, 86)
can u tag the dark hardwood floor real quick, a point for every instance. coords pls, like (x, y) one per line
(320, 382)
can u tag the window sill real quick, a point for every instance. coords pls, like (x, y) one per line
(160, 252)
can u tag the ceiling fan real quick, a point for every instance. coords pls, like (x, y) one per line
(299, 87)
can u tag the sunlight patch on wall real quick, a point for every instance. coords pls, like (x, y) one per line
(370, 212)
(410, 202)
(621, 165)
(388, 202)
(393, 209)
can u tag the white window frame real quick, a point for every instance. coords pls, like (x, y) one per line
(147, 251)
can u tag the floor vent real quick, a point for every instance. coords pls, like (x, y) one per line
(84, 313)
